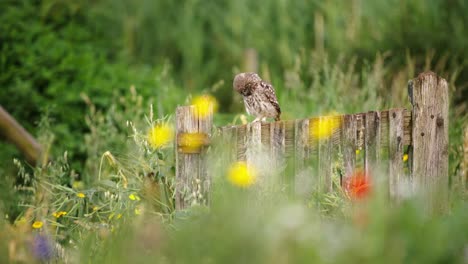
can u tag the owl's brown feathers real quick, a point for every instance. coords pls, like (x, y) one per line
(259, 96)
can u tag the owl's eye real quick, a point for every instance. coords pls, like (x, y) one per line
(246, 92)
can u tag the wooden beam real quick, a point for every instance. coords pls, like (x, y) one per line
(430, 99)
(17, 135)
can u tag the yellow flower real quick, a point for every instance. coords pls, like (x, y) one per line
(192, 142)
(77, 185)
(323, 127)
(160, 135)
(405, 157)
(241, 175)
(137, 211)
(20, 221)
(81, 195)
(205, 105)
(37, 224)
(358, 151)
(59, 214)
(119, 216)
(134, 197)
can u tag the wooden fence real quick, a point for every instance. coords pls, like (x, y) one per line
(375, 141)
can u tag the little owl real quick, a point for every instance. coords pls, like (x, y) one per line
(259, 96)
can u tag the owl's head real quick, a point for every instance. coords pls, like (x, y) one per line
(242, 79)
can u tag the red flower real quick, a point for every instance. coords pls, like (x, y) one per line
(357, 185)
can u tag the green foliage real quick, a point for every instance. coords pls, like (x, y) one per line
(205, 40)
(50, 61)
(91, 78)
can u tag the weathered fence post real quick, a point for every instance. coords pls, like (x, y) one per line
(193, 131)
(429, 96)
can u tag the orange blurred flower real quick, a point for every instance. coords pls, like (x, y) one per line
(357, 185)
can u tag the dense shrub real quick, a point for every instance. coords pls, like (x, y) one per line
(51, 59)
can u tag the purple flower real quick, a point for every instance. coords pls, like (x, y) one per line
(42, 247)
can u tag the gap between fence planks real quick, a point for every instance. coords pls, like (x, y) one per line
(380, 137)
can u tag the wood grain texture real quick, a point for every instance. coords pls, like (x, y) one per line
(278, 144)
(396, 172)
(372, 145)
(192, 181)
(325, 166)
(430, 133)
(205, 125)
(301, 144)
(349, 143)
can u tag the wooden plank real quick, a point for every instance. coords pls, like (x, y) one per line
(301, 155)
(229, 140)
(278, 150)
(289, 144)
(349, 139)
(325, 168)
(372, 142)
(205, 125)
(241, 143)
(396, 148)
(429, 94)
(254, 149)
(360, 130)
(301, 143)
(187, 165)
(266, 134)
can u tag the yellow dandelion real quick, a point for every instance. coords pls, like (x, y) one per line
(241, 175)
(205, 105)
(134, 197)
(358, 151)
(323, 127)
(37, 224)
(59, 214)
(405, 157)
(119, 216)
(160, 135)
(81, 195)
(192, 142)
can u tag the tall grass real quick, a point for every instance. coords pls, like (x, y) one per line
(120, 209)
(206, 40)
(322, 57)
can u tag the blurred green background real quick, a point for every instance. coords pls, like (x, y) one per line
(88, 78)
(55, 53)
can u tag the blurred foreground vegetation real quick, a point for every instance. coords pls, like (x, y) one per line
(90, 78)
